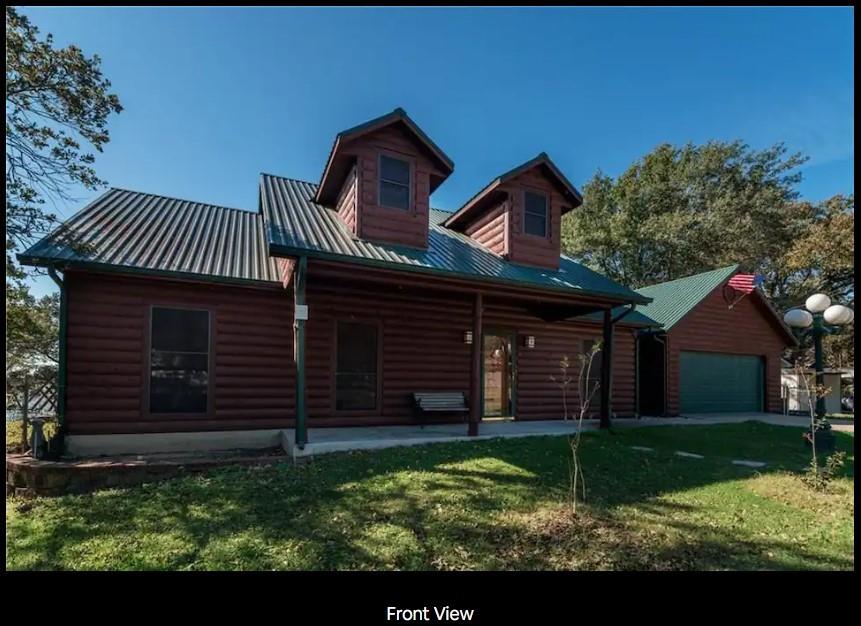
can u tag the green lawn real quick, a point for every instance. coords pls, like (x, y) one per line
(485, 505)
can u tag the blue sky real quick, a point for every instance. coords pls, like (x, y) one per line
(214, 96)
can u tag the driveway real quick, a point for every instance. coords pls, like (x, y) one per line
(768, 418)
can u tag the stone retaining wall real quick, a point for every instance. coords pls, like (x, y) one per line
(26, 476)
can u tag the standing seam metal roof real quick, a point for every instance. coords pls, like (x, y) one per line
(674, 299)
(295, 224)
(141, 231)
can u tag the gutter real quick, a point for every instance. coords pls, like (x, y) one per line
(277, 250)
(62, 351)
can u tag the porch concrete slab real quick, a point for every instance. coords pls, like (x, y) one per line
(325, 440)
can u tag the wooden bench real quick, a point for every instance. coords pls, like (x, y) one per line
(429, 402)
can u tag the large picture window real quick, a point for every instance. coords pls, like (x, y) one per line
(179, 361)
(394, 183)
(535, 214)
(356, 370)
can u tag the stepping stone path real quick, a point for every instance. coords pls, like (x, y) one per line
(749, 463)
(689, 455)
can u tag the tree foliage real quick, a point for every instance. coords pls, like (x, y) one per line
(57, 107)
(682, 210)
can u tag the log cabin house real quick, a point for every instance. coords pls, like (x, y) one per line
(333, 304)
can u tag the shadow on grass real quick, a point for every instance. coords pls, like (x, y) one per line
(496, 504)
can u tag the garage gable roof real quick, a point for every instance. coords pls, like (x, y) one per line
(674, 299)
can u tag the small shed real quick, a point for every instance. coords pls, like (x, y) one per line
(795, 398)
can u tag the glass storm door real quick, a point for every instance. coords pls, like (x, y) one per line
(497, 375)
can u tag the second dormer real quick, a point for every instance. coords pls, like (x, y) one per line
(519, 214)
(379, 178)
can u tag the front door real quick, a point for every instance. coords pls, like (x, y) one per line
(498, 365)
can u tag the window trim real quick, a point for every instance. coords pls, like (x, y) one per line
(547, 213)
(410, 187)
(333, 367)
(146, 411)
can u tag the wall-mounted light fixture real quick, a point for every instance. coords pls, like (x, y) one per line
(467, 337)
(529, 341)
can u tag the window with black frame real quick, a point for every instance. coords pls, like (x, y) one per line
(394, 183)
(535, 214)
(356, 369)
(179, 361)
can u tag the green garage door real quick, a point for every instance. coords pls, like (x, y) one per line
(716, 383)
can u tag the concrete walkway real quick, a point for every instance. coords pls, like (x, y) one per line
(325, 440)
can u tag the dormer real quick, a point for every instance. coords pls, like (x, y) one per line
(379, 178)
(519, 214)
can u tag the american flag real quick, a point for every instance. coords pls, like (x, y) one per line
(745, 283)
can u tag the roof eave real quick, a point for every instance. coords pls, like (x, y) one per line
(614, 299)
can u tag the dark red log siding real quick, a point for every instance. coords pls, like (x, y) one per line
(499, 228)
(108, 354)
(713, 327)
(539, 397)
(386, 224)
(423, 350)
(421, 340)
(346, 205)
(491, 228)
(530, 249)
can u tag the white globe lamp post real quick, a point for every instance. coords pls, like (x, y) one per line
(818, 318)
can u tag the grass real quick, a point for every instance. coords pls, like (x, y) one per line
(498, 504)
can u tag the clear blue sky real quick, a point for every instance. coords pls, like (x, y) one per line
(214, 96)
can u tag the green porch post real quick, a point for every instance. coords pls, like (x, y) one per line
(299, 317)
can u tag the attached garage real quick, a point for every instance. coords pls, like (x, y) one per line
(718, 350)
(720, 383)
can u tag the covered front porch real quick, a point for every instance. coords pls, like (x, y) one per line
(433, 334)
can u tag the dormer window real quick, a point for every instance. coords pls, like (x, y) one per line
(394, 183)
(535, 214)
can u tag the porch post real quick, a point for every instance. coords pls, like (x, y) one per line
(299, 351)
(475, 371)
(607, 370)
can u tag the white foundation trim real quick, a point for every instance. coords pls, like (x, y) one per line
(148, 443)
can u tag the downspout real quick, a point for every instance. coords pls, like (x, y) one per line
(299, 346)
(61, 353)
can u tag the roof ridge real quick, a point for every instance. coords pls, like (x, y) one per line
(290, 178)
(676, 280)
(159, 195)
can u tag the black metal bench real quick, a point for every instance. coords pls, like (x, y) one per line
(429, 402)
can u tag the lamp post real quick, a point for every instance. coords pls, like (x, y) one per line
(819, 318)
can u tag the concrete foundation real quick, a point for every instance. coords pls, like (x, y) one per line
(150, 443)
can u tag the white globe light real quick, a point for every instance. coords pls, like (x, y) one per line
(839, 315)
(798, 318)
(817, 303)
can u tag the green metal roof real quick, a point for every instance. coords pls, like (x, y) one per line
(146, 233)
(296, 225)
(672, 300)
